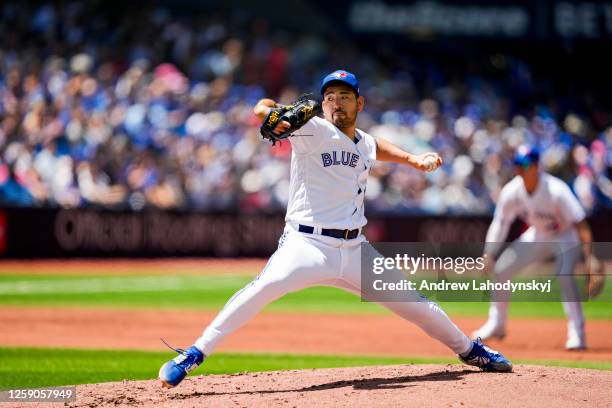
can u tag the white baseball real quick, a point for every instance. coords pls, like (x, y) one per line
(431, 163)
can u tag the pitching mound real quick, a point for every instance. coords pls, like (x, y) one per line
(415, 385)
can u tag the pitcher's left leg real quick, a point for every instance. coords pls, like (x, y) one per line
(426, 314)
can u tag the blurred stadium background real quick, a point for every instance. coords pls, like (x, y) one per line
(126, 131)
(109, 113)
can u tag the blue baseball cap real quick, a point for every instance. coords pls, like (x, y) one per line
(340, 76)
(526, 155)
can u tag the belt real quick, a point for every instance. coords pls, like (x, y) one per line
(334, 233)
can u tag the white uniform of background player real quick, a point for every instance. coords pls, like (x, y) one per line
(552, 213)
(321, 242)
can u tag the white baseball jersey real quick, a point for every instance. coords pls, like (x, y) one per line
(551, 210)
(329, 173)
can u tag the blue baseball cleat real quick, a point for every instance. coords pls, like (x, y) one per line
(487, 359)
(174, 371)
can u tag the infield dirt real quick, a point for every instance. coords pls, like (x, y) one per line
(337, 334)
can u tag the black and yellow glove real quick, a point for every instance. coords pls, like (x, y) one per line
(297, 114)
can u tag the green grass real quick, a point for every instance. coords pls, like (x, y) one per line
(37, 367)
(33, 367)
(211, 293)
(594, 365)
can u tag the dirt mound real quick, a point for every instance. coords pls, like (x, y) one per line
(415, 385)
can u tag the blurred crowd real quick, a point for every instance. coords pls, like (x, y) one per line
(151, 109)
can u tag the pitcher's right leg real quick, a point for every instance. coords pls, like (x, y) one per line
(299, 262)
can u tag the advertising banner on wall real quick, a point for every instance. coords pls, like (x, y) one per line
(507, 19)
(53, 233)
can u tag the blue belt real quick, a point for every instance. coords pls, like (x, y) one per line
(334, 233)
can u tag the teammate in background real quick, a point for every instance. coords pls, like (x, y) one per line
(321, 242)
(557, 222)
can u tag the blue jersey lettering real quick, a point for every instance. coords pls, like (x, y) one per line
(340, 158)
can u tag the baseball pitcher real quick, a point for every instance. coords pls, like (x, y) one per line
(321, 242)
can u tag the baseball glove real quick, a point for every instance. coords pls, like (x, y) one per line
(595, 279)
(297, 114)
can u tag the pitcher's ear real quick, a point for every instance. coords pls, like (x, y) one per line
(360, 103)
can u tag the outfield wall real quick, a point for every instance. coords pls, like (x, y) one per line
(40, 233)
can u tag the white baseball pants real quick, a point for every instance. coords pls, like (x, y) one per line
(567, 252)
(305, 260)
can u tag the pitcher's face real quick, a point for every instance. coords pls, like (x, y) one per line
(341, 105)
